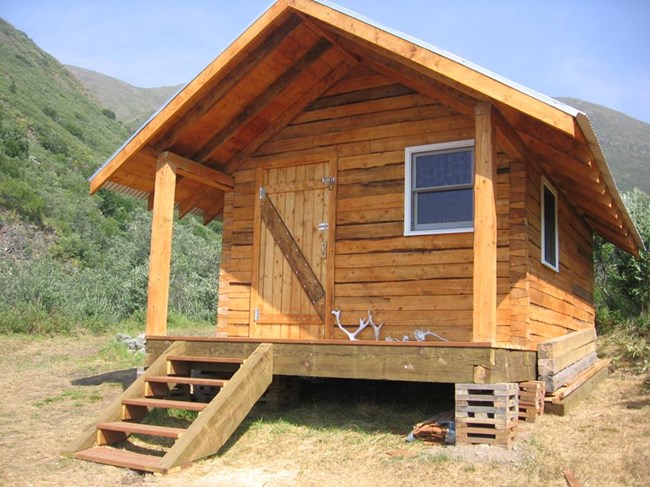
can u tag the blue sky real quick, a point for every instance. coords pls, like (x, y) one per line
(595, 50)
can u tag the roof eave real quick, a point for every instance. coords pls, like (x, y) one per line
(601, 161)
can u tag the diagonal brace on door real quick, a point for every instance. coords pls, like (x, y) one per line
(291, 251)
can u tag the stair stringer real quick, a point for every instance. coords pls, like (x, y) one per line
(88, 437)
(219, 420)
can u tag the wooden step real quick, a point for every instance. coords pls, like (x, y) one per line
(209, 360)
(165, 404)
(195, 381)
(142, 429)
(121, 458)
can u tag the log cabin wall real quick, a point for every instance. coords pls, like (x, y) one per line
(414, 282)
(562, 301)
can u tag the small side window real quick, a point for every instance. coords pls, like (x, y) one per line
(550, 241)
(439, 188)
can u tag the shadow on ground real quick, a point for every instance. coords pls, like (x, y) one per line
(124, 377)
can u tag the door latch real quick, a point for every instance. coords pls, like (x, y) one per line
(330, 180)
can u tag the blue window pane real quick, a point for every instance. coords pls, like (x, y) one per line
(443, 169)
(444, 207)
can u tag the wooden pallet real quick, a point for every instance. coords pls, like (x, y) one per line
(486, 414)
(531, 400)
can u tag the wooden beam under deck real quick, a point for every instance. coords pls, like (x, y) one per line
(444, 362)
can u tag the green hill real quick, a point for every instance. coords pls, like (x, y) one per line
(625, 142)
(132, 105)
(69, 260)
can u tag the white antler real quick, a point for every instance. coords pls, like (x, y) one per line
(375, 328)
(351, 335)
(421, 335)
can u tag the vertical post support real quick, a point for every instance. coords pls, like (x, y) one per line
(161, 247)
(485, 227)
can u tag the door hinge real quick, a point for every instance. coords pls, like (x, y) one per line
(323, 226)
(256, 316)
(330, 180)
(262, 192)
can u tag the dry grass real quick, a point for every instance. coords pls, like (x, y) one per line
(48, 394)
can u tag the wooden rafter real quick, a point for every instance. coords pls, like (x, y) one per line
(285, 117)
(262, 100)
(229, 81)
(215, 210)
(197, 172)
(432, 64)
(623, 240)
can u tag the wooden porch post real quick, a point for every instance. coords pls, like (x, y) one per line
(485, 227)
(161, 247)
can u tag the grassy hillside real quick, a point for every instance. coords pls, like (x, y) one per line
(131, 105)
(625, 141)
(69, 260)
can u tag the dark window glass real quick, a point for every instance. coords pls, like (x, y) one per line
(550, 237)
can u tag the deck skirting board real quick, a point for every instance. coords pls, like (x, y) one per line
(450, 363)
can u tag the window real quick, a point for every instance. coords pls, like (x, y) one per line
(439, 188)
(550, 244)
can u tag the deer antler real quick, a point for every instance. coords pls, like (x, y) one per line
(351, 335)
(421, 335)
(375, 328)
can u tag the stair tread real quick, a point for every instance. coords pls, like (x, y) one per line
(121, 458)
(143, 429)
(199, 358)
(198, 381)
(165, 403)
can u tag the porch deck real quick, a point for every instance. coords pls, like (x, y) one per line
(445, 362)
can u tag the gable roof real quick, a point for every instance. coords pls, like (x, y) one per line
(293, 53)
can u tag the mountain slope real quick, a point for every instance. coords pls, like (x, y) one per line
(625, 142)
(69, 260)
(132, 105)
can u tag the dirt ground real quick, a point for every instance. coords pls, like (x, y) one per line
(52, 387)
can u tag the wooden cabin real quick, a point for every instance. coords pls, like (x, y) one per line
(360, 170)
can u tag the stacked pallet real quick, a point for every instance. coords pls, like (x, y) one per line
(486, 414)
(570, 369)
(531, 400)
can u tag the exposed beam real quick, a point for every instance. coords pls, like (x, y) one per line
(232, 79)
(433, 64)
(485, 227)
(290, 113)
(614, 235)
(575, 168)
(216, 210)
(569, 145)
(262, 100)
(161, 247)
(190, 203)
(197, 172)
(508, 138)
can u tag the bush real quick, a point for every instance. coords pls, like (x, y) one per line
(17, 195)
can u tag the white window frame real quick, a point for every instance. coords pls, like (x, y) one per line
(546, 185)
(409, 154)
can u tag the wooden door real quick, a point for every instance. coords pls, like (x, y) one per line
(293, 246)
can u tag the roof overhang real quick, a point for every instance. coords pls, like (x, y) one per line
(298, 48)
